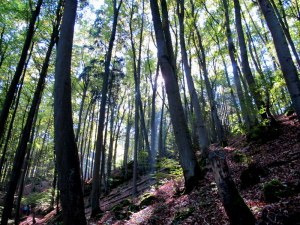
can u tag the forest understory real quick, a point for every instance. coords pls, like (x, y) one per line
(265, 170)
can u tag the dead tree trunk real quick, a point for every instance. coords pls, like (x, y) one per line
(235, 207)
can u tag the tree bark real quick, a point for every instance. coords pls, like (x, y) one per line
(85, 176)
(95, 194)
(25, 168)
(237, 81)
(22, 146)
(212, 102)
(190, 166)
(201, 129)
(235, 207)
(68, 165)
(13, 85)
(153, 120)
(161, 149)
(245, 63)
(285, 59)
(285, 27)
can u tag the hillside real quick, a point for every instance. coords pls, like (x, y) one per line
(262, 162)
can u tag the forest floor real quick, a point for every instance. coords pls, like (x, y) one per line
(275, 158)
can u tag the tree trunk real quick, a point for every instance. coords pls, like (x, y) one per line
(22, 146)
(161, 149)
(3, 48)
(117, 135)
(213, 104)
(82, 143)
(99, 144)
(15, 81)
(85, 88)
(190, 166)
(10, 128)
(235, 207)
(68, 165)
(127, 142)
(111, 142)
(9, 131)
(245, 63)
(285, 59)
(85, 176)
(201, 129)
(153, 118)
(237, 81)
(285, 27)
(54, 186)
(25, 168)
(136, 147)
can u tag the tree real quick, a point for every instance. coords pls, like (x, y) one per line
(95, 194)
(65, 146)
(246, 67)
(213, 106)
(22, 146)
(285, 59)
(201, 129)
(13, 85)
(192, 172)
(237, 80)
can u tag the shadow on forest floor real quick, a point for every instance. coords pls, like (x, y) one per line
(279, 158)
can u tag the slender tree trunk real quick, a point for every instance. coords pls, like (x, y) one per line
(10, 128)
(9, 131)
(161, 150)
(22, 146)
(54, 185)
(25, 168)
(153, 121)
(136, 147)
(245, 63)
(111, 142)
(85, 88)
(3, 49)
(201, 129)
(285, 59)
(213, 104)
(117, 135)
(191, 168)
(285, 27)
(86, 140)
(127, 142)
(99, 144)
(85, 176)
(68, 164)
(237, 81)
(82, 144)
(94, 149)
(15, 81)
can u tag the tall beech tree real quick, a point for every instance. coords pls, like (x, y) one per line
(190, 166)
(284, 56)
(201, 129)
(237, 79)
(15, 81)
(65, 146)
(285, 27)
(245, 64)
(202, 61)
(22, 146)
(95, 194)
